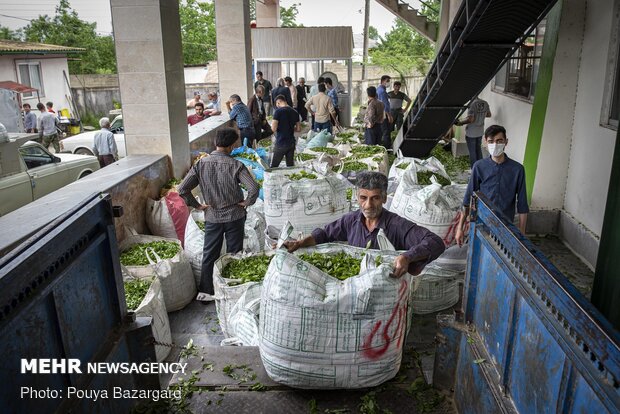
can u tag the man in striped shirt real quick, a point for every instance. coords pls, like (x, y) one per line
(219, 176)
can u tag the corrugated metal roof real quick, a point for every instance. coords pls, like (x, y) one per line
(298, 43)
(16, 47)
(17, 87)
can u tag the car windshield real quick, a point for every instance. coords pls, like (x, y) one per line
(117, 124)
(35, 156)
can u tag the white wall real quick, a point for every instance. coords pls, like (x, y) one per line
(54, 85)
(576, 152)
(592, 145)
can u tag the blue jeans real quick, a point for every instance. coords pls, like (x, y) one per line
(319, 126)
(214, 237)
(474, 148)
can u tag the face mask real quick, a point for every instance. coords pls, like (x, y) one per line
(496, 149)
(387, 85)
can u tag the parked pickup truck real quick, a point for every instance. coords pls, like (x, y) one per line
(28, 171)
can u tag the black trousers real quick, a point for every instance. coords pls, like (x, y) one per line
(280, 153)
(214, 237)
(386, 130)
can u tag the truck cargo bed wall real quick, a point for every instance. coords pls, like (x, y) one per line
(61, 296)
(529, 342)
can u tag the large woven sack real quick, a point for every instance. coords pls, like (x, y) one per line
(307, 204)
(153, 305)
(177, 281)
(319, 332)
(434, 207)
(226, 296)
(438, 290)
(167, 216)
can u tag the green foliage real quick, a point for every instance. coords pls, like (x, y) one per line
(454, 166)
(197, 31)
(288, 16)
(249, 269)
(424, 178)
(350, 166)
(373, 33)
(404, 51)
(303, 174)
(305, 157)
(339, 265)
(365, 151)
(136, 256)
(67, 29)
(91, 119)
(8, 34)
(403, 165)
(265, 143)
(326, 150)
(135, 291)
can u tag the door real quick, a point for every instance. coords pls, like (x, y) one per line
(46, 171)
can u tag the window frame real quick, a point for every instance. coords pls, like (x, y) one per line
(612, 73)
(28, 63)
(534, 76)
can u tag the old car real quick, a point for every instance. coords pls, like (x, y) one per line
(84, 143)
(28, 171)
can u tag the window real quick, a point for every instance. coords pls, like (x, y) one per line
(30, 74)
(610, 113)
(518, 76)
(35, 156)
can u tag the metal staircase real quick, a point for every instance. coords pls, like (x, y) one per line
(410, 15)
(482, 37)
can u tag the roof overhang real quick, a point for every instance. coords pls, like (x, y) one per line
(16, 87)
(302, 43)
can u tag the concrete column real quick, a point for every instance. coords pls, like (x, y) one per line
(149, 57)
(268, 13)
(446, 16)
(234, 51)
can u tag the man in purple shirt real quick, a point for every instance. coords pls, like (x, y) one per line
(360, 227)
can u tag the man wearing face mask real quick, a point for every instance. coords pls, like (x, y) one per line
(499, 178)
(359, 228)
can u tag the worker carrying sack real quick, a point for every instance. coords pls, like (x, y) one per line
(317, 331)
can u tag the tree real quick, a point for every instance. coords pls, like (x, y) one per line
(373, 33)
(8, 34)
(288, 16)
(198, 31)
(403, 50)
(67, 29)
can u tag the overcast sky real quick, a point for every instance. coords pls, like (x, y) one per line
(311, 13)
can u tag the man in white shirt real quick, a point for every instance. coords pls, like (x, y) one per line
(46, 124)
(105, 146)
(213, 104)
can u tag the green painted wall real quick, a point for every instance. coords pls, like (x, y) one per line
(541, 98)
